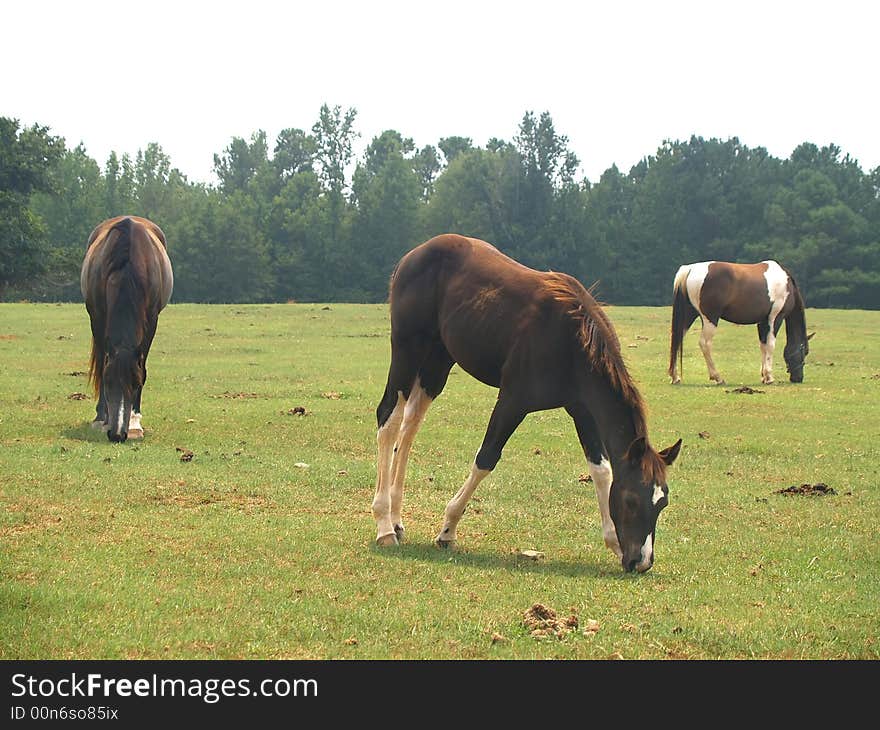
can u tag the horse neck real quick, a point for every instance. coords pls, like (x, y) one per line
(796, 324)
(620, 422)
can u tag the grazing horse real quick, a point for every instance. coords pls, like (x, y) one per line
(764, 294)
(126, 280)
(544, 342)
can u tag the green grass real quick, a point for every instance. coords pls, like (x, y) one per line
(125, 551)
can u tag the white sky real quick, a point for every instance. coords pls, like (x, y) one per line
(618, 77)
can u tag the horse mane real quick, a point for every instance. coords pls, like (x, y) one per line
(796, 318)
(124, 323)
(601, 345)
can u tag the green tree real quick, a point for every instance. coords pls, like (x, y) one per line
(241, 162)
(452, 147)
(70, 212)
(426, 164)
(387, 193)
(119, 185)
(26, 159)
(218, 250)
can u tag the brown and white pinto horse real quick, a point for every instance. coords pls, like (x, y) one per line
(126, 280)
(764, 294)
(544, 342)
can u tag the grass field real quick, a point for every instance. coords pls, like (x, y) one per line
(261, 546)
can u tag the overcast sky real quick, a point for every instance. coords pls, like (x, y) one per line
(617, 77)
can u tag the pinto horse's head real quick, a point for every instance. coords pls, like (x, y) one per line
(795, 354)
(638, 494)
(124, 373)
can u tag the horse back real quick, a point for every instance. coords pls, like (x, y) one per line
(734, 292)
(147, 254)
(493, 315)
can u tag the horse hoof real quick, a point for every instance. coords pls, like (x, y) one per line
(721, 381)
(398, 532)
(387, 540)
(677, 381)
(135, 433)
(444, 544)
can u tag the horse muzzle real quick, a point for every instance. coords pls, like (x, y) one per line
(635, 561)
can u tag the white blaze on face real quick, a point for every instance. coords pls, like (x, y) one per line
(658, 494)
(120, 415)
(647, 555)
(695, 278)
(777, 289)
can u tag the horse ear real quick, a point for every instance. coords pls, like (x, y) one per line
(671, 454)
(637, 449)
(810, 336)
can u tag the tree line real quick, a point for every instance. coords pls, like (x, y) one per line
(300, 219)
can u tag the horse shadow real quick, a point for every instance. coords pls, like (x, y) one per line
(493, 561)
(85, 432)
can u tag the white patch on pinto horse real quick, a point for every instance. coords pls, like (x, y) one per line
(777, 291)
(602, 478)
(696, 275)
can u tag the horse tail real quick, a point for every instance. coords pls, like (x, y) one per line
(127, 320)
(683, 315)
(120, 255)
(96, 361)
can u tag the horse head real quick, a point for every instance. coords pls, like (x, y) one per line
(124, 373)
(795, 354)
(639, 493)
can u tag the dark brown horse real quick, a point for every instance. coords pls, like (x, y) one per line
(765, 294)
(544, 342)
(126, 280)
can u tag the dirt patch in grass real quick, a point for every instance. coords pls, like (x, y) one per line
(746, 390)
(194, 500)
(810, 490)
(542, 621)
(238, 396)
(37, 515)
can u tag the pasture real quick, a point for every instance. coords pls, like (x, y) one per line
(261, 544)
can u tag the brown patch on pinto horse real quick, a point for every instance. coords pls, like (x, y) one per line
(764, 294)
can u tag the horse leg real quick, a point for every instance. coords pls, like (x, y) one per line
(101, 416)
(706, 335)
(429, 384)
(97, 358)
(405, 362)
(768, 342)
(135, 428)
(600, 470)
(767, 332)
(506, 416)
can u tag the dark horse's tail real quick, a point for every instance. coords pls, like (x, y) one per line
(683, 315)
(122, 324)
